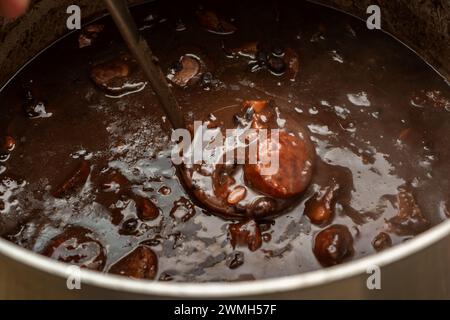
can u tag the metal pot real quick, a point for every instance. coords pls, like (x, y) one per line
(418, 268)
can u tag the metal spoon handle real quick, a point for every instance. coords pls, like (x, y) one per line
(148, 62)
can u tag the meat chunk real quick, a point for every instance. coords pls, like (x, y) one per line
(333, 245)
(146, 209)
(295, 166)
(141, 263)
(186, 72)
(76, 246)
(111, 75)
(246, 233)
(409, 219)
(295, 156)
(381, 241)
(89, 34)
(320, 207)
(213, 23)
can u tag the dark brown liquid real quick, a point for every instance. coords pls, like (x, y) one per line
(362, 95)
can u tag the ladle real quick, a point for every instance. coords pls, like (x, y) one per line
(148, 62)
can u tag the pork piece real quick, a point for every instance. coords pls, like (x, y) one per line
(213, 23)
(320, 207)
(141, 263)
(295, 156)
(294, 169)
(409, 219)
(75, 181)
(246, 233)
(89, 34)
(186, 71)
(146, 209)
(381, 241)
(111, 75)
(76, 245)
(333, 245)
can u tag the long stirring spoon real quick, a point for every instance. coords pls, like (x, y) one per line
(148, 62)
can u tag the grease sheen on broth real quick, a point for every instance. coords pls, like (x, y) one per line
(85, 173)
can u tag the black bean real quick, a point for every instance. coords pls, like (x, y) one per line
(277, 50)
(333, 245)
(277, 65)
(261, 57)
(381, 241)
(129, 226)
(235, 260)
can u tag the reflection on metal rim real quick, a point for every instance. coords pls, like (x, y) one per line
(231, 289)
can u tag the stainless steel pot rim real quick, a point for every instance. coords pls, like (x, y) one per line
(233, 289)
(229, 289)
